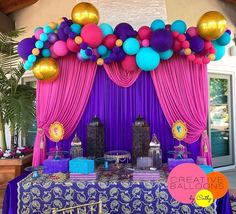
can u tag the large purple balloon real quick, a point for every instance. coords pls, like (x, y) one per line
(25, 47)
(123, 29)
(61, 34)
(196, 44)
(161, 40)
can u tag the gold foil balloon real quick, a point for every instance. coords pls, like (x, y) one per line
(85, 13)
(211, 25)
(46, 69)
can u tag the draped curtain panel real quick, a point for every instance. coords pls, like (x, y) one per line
(62, 100)
(118, 107)
(120, 76)
(182, 89)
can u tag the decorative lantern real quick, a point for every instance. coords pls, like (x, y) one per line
(76, 148)
(155, 152)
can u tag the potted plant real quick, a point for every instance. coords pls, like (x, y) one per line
(17, 109)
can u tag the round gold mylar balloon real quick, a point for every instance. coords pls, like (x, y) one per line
(85, 13)
(211, 25)
(46, 69)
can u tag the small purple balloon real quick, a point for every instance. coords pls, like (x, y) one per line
(107, 60)
(116, 49)
(196, 44)
(65, 19)
(52, 37)
(79, 57)
(62, 36)
(72, 35)
(25, 47)
(188, 37)
(123, 29)
(93, 58)
(83, 45)
(67, 30)
(113, 56)
(121, 56)
(47, 44)
(69, 22)
(88, 52)
(228, 31)
(161, 40)
(63, 25)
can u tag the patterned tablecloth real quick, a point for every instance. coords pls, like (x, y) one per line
(119, 195)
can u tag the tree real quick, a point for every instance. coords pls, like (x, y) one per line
(17, 102)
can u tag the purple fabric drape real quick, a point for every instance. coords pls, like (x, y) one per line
(118, 108)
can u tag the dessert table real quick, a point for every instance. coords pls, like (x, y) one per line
(118, 194)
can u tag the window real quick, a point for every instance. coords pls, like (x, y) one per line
(220, 119)
(30, 136)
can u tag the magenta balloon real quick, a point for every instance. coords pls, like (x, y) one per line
(25, 47)
(60, 48)
(161, 40)
(72, 46)
(38, 33)
(196, 44)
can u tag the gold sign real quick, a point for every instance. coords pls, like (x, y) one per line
(179, 130)
(56, 131)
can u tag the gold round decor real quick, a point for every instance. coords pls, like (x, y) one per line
(56, 131)
(179, 130)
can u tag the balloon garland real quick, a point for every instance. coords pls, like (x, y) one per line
(142, 49)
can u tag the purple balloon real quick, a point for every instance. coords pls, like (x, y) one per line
(116, 49)
(161, 40)
(62, 36)
(52, 37)
(63, 25)
(107, 60)
(121, 56)
(93, 58)
(188, 37)
(196, 44)
(123, 29)
(88, 52)
(113, 56)
(69, 22)
(79, 57)
(47, 44)
(72, 35)
(123, 37)
(25, 47)
(67, 30)
(228, 31)
(83, 45)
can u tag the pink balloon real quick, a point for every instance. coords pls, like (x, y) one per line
(38, 33)
(207, 44)
(181, 37)
(206, 60)
(144, 32)
(198, 60)
(53, 55)
(60, 48)
(145, 43)
(176, 46)
(72, 46)
(192, 31)
(175, 34)
(191, 57)
(129, 63)
(185, 44)
(110, 41)
(212, 50)
(92, 35)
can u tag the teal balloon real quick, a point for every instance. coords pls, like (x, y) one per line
(106, 29)
(39, 44)
(147, 59)
(157, 24)
(27, 65)
(224, 39)
(32, 58)
(220, 50)
(131, 46)
(166, 54)
(102, 50)
(47, 29)
(76, 28)
(43, 37)
(37, 28)
(107, 54)
(83, 54)
(179, 26)
(46, 53)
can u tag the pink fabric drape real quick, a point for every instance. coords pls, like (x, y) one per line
(62, 100)
(182, 89)
(121, 76)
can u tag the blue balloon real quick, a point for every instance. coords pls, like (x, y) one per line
(166, 54)
(76, 28)
(106, 29)
(157, 24)
(46, 53)
(207, 169)
(220, 50)
(102, 50)
(179, 26)
(39, 44)
(27, 65)
(147, 59)
(32, 58)
(43, 37)
(47, 29)
(224, 39)
(131, 46)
